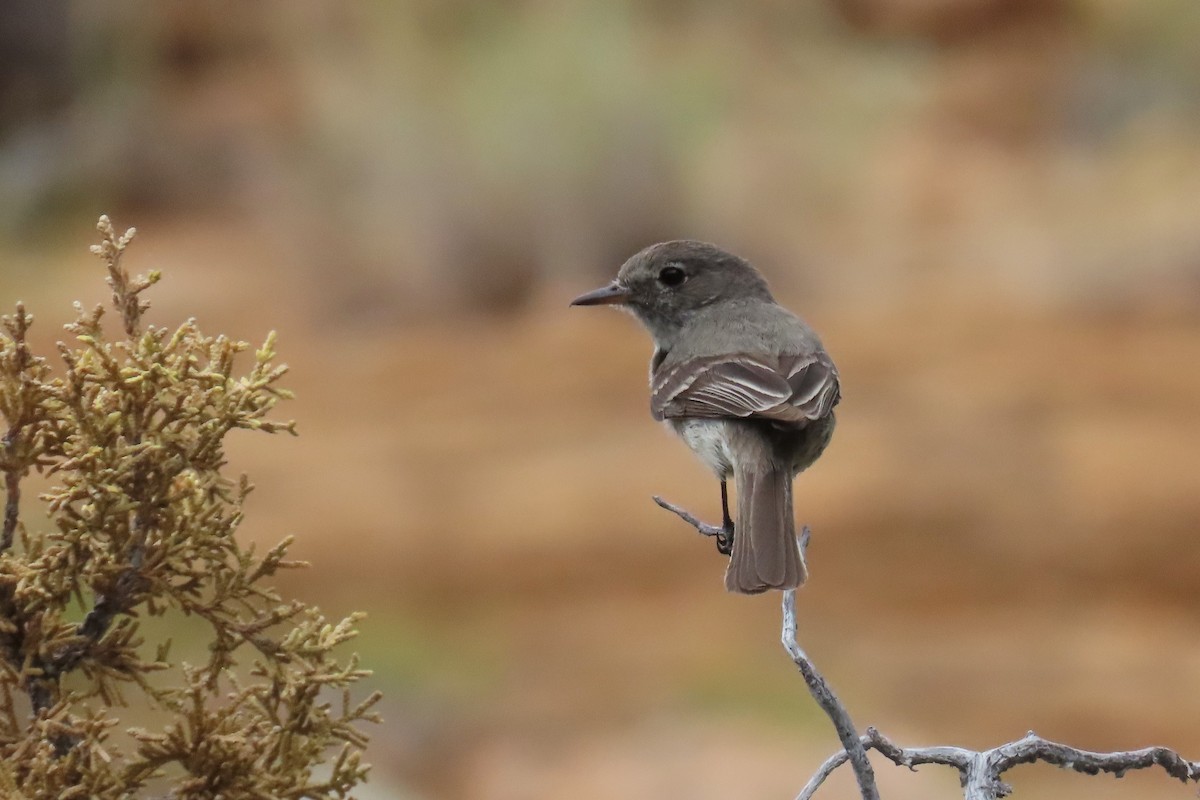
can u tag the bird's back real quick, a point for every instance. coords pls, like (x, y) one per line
(749, 326)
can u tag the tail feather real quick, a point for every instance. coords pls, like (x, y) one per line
(765, 552)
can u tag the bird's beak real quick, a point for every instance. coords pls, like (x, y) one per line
(614, 293)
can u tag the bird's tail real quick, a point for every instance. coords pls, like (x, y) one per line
(765, 552)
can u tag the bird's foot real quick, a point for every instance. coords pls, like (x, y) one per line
(723, 534)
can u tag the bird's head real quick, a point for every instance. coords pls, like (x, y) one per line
(665, 284)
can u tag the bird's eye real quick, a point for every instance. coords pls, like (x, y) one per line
(671, 276)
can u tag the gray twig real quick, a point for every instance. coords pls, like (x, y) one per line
(980, 771)
(852, 745)
(703, 528)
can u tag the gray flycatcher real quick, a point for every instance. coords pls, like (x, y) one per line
(745, 382)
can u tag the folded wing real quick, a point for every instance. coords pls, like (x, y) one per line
(788, 390)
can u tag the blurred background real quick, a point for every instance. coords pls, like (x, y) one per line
(989, 208)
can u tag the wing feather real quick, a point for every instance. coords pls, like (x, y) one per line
(789, 389)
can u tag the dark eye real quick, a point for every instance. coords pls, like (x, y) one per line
(671, 276)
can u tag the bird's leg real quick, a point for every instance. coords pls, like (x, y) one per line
(722, 533)
(725, 537)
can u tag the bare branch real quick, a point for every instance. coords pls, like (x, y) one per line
(826, 699)
(1033, 748)
(981, 771)
(703, 528)
(827, 769)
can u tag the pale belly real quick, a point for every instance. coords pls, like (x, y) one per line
(796, 448)
(707, 439)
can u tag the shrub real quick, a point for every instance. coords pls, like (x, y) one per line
(141, 523)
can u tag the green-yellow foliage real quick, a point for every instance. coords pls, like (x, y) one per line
(142, 521)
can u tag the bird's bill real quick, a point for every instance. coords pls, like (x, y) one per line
(612, 294)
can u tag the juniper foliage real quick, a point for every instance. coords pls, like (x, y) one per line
(140, 522)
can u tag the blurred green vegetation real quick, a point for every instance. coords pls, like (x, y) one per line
(465, 154)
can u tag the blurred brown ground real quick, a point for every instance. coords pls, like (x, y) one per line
(991, 219)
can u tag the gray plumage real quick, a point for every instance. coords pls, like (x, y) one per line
(745, 382)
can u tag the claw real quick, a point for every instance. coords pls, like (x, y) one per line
(723, 534)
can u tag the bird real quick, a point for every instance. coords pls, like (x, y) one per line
(746, 384)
